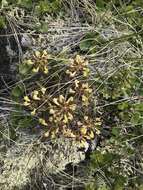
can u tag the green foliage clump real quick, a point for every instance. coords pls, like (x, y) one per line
(47, 6)
(39, 7)
(112, 163)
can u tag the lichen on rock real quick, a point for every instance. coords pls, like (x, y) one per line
(26, 157)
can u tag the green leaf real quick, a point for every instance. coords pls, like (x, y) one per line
(43, 7)
(136, 118)
(103, 187)
(47, 7)
(17, 91)
(139, 107)
(25, 3)
(88, 42)
(24, 69)
(2, 22)
(123, 106)
(116, 131)
(26, 122)
(119, 182)
(100, 3)
(85, 45)
(44, 27)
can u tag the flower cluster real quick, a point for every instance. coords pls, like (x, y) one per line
(33, 101)
(83, 90)
(39, 62)
(84, 130)
(67, 111)
(78, 66)
(62, 110)
(88, 127)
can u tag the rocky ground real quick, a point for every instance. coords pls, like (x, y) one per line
(28, 161)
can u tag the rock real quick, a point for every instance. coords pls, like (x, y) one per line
(26, 41)
(8, 52)
(29, 159)
(9, 57)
